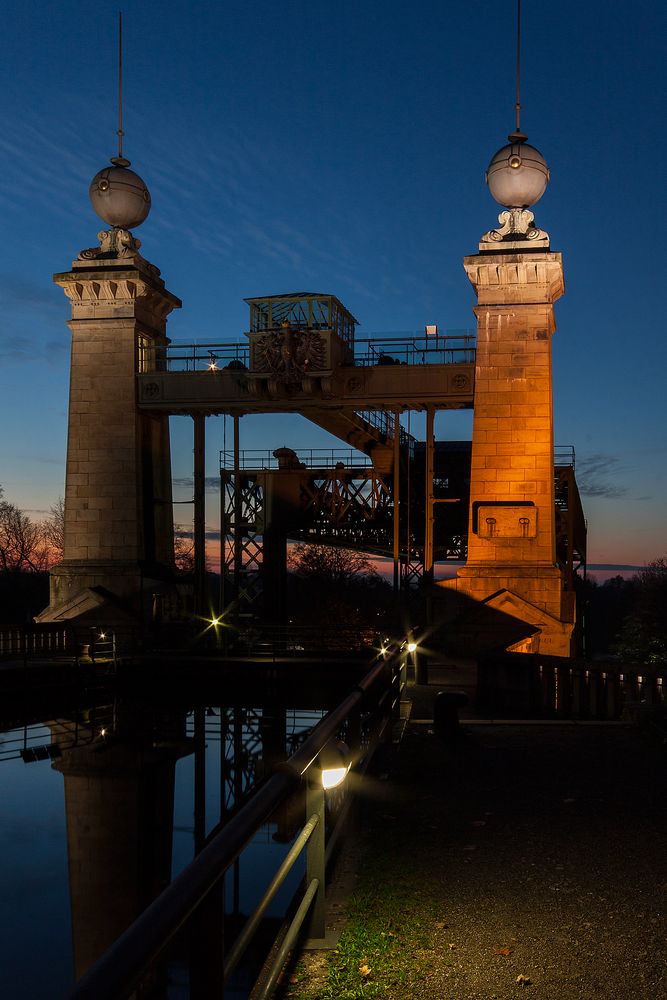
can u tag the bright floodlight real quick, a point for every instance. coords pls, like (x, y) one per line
(334, 764)
(332, 777)
(412, 646)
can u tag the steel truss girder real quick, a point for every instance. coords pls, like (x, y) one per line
(243, 541)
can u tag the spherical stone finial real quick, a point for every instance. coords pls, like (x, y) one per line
(518, 174)
(119, 196)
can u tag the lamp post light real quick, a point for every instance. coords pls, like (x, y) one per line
(328, 772)
(418, 663)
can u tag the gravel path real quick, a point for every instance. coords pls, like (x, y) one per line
(545, 849)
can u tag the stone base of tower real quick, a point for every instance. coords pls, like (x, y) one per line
(120, 595)
(531, 594)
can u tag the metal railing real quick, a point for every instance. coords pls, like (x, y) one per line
(203, 357)
(195, 897)
(549, 686)
(564, 455)
(417, 349)
(456, 347)
(308, 458)
(385, 422)
(291, 640)
(50, 640)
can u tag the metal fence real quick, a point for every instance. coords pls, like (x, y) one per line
(38, 641)
(417, 349)
(309, 458)
(50, 641)
(194, 901)
(455, 347)
(555, 687)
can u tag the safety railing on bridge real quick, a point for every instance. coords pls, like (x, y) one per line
(385, 422)
(573, 689)
(194, 902)
(292, 640)
(455, 347)
(50, 640)
(200, 357)
(308, 458)
(564, 455)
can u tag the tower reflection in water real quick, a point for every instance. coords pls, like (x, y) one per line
(119, 801)
(135, 816)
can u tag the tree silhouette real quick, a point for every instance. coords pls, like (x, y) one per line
(23, 547)
(333, 586)
(642, 637)
(53, 530)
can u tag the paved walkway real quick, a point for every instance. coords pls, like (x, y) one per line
(545, 847)
(535, 857)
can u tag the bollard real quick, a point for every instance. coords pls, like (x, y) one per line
(421, 668)
(446, 714)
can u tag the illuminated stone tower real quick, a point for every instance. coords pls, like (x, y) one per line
(511, 562)
(118, 513)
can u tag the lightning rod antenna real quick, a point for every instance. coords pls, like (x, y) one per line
(517, 106)
(517, 135)
(120, 160)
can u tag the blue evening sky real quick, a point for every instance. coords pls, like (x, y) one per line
(341, 147)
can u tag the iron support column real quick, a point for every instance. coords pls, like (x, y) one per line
(223, 541)
(428, 497)
(199, 513)
(396, 491)
(238, 546)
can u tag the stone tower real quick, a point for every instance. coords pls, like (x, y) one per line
(511, 563)
(118, 513)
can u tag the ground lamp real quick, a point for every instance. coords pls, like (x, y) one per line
(329, 771)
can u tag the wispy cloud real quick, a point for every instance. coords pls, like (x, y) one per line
(620, 567)
(212, 483)
(211, 534)
(595, 475)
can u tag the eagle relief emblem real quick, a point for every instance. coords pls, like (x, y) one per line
(290, 354)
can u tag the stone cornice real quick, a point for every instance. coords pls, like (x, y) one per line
(519, 278)
(107, 289)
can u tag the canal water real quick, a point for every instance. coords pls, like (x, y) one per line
(105, 801)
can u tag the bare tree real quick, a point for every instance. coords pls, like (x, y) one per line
(184, 550)
(53, 531)
(331, 586)
(22, 544)
(642, 637)
(330, 565)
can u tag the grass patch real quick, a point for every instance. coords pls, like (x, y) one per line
(389, 938)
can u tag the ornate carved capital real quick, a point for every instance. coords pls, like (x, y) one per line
(516, 232)
(104, 291)
(515, 278)
(117, 244)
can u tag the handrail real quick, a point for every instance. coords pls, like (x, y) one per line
(455, 347)
(121, 968)
(309, 458)
(253, 921)
(38, 639)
